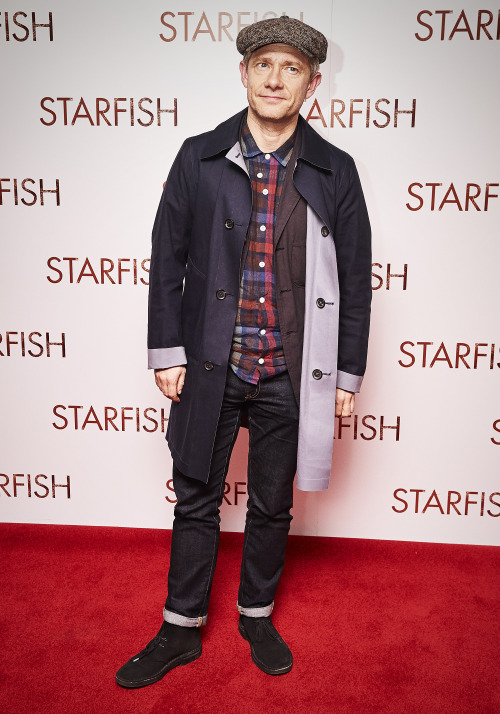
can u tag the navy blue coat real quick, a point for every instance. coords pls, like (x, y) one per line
(198, 239)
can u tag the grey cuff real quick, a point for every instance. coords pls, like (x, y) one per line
(256, 611)
(176, 619)
(313, 484)
(349, 382)
(166, 357)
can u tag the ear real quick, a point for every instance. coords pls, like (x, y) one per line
(244, 74)
(313, 85)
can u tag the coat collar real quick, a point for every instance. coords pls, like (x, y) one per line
(225, 135)
(312, 148)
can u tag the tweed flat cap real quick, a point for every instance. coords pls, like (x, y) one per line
(284, 30)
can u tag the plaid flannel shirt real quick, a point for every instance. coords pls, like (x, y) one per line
(257, 349)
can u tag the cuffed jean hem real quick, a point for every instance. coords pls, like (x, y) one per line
(176, 619)
(255, 611)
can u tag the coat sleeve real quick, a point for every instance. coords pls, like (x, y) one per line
(170, 242)
(353, 246)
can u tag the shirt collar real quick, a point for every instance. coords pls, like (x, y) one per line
(250, 149)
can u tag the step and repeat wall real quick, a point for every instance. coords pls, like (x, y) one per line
(97, 98)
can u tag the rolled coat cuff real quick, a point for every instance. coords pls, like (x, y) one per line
(349, 382)
(166, 357)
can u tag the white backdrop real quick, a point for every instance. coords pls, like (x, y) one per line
(411, 93)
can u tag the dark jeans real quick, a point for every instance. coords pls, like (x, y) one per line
(273, 417)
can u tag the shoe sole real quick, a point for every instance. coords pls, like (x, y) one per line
(178, 661)
(261, 665)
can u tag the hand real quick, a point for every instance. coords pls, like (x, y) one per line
(171, 381)
(344, 403)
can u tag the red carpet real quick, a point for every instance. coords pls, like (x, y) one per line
(374, 626)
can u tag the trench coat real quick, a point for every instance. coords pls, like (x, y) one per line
(197, 244)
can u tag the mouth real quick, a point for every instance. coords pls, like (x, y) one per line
(271, 98)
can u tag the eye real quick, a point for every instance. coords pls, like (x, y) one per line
(292, 70)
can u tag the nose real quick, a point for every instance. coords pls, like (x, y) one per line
(274, 80)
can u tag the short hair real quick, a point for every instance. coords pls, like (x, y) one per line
(313, 62)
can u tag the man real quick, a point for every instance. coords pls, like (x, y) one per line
(260, 291)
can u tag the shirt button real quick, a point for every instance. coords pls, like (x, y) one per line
(265, 192)
(261, 299)
(320, 302)
(262, 332)
(260, 174)
(220, 294)
(325, 232)
(262, 228)
(229, 223)
(208, 366)
(261, 361)
(317, 373)
(262, 264)
(267, 156)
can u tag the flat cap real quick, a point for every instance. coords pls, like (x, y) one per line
(283, 30)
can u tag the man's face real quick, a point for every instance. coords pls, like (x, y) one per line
(277, 80)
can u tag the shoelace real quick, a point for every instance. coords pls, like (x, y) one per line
(263, 627)
(150, 646)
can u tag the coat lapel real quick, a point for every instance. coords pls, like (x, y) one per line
(309, 184)
(313, 171)
(289, 200)
(234, 154)
(289, 196)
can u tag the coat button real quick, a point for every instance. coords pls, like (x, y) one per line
(325, 232)
(221, 294)
(317, 373)
(229, 223)
(320, 303)
(209, 365)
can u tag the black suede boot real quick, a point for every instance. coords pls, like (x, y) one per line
(269, 652)
(172, 646)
